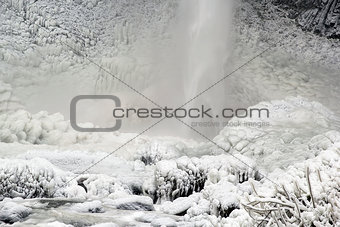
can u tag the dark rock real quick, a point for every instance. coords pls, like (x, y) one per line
(80, 182)
(135, 206)
(134, 203)
(11, 212)
(319, 16)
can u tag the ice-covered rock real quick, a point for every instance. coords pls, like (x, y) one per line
(132, 202)
(180, 205)
(11, 212)
(321, 17)
(223, 198)
(101, 185)
(53, 224)
(105, 225)
(160, 222)
(91, 207)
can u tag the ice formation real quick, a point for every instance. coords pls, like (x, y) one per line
(39, 128)
(184, 176)
(262, 138)
(30, 179)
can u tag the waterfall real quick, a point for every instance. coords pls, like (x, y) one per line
(186, 59)
(195, 57)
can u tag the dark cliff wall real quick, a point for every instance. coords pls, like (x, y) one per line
(319, 16)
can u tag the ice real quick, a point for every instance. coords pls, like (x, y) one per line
(183, 176)
(91, 206)
(303, 121)
(100, 185)
(132, 202)
(156, 150)
(30, 179)
(54, 224)
(180, 205)
(159, 222)
(40, 128)
(223, 198)
(310, 185)
(11, 212)
(105, 225)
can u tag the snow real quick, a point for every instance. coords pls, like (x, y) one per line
(91, 206)
(10, 212)
(179, 205)
(159, 222)
(30, 179)
(105, 225)
(183, 176)
(303, 122)
(132, 202)
(40, 128)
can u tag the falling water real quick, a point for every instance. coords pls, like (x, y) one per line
(195, 58)
(204, 38)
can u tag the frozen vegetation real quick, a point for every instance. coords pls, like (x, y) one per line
(276, 171)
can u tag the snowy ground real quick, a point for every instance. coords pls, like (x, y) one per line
(45, 180)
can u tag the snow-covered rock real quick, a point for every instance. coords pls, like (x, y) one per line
(160, 222)
(101, 185)
(91, 207)
(132, 202)
(11, 212)
(180, 205)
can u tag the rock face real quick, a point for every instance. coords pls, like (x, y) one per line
(319, 16)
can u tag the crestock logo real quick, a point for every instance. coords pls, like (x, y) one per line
(119, 113)
(73, 112)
